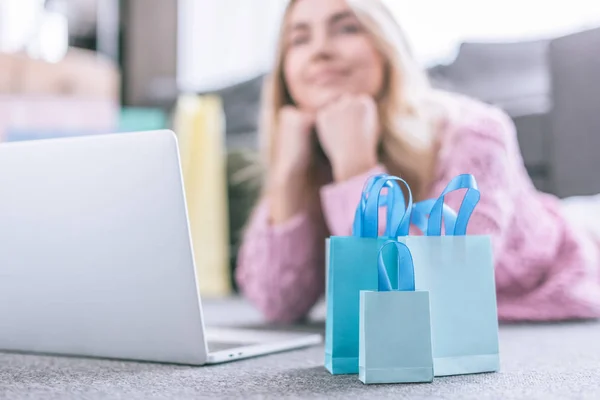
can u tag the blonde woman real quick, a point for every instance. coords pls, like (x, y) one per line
(345, 101)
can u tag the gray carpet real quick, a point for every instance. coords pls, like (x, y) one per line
(549, 361)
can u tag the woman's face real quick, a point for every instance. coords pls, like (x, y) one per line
(328, 53)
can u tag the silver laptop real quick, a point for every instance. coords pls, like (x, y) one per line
(96, 257)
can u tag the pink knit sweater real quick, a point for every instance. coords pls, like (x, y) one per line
(546, 268)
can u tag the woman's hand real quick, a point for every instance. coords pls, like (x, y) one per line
(292, 158)
(348, 130)
(293, 146)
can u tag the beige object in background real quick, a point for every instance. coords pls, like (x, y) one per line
(199, 125)
(81, 73)
(9, 65)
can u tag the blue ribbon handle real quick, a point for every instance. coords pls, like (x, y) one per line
(406, 275)
(360, 209)
(472, 196)
(387, 200)
(422, 210)
(394, 196)
(400, 222)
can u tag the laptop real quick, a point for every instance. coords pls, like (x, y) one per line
(96, 257)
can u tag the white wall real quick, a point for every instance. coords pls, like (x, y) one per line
(222, 42)
(18, 22)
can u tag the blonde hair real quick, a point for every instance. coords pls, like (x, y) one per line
(408, 126)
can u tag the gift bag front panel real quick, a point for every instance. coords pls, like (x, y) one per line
(352, 268)
(458, 271)
(396, 330)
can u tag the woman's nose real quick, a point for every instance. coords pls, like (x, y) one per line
(322, 46)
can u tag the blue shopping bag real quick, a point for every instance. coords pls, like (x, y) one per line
(458, 271)
(395, 327)
(351, 266)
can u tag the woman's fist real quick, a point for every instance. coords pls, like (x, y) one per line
(348, 130)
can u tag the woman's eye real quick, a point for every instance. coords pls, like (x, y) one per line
(298, 40)
(348, 28)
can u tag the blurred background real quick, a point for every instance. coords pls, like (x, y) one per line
(77, 67)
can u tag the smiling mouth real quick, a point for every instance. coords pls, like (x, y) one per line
(328, 77)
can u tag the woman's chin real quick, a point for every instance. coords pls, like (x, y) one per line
(325, 97)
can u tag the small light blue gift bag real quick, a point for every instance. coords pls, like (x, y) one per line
(351, 266)
(458, 271)
(395, 327)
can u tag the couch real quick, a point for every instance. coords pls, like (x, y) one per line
(551, 89)
(574, 119)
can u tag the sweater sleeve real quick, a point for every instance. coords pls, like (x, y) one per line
(281, 268)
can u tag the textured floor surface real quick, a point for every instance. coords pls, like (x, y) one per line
(549, 361)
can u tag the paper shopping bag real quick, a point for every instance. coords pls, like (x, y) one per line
(351, 264)
(458, 271)
(395, 328)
